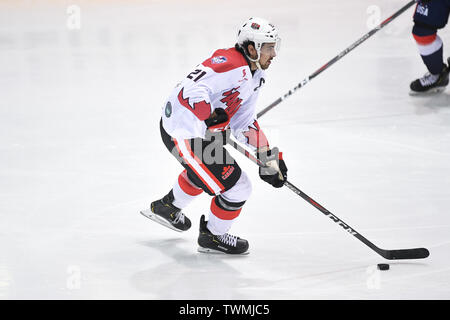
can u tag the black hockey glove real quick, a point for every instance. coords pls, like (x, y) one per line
(275, 172)
(218, 121)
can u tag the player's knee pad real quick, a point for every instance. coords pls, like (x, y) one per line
(228, 205)
(426, 38)
(240, 191)
(224, 209)
(185, 184)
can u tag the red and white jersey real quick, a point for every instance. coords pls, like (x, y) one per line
(221, 81)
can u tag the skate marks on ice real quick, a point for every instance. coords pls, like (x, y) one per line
(396, 134)
(431, 103)
(424, 104)
(192, 275)
(336, 119)
(431, 92)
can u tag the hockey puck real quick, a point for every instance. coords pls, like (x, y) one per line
(383, 266)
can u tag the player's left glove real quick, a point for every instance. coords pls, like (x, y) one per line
(275, 172)
(218, 121)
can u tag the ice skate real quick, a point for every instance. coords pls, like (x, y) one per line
(165, 213)
(226, 243)
(431, 83)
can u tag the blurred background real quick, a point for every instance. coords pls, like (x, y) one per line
(82, 84)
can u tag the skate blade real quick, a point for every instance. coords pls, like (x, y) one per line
(427, 93)
(217, 252)
(149, 214)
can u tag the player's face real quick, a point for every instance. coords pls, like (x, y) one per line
(268, 52)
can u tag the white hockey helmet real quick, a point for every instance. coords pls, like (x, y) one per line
(259, 31)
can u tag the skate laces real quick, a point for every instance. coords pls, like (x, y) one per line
(179, 217)
(429, 79)
(228, 239)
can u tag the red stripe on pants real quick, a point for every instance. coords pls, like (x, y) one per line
(202, 165)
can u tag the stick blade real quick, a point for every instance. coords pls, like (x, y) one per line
(402, 254)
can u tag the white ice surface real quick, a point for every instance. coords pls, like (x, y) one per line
(80, 155)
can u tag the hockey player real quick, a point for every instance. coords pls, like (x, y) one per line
(431, 15)
(216, 99)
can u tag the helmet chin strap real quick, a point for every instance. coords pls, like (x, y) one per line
(256, 61)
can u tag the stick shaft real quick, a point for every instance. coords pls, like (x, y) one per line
(337, 58)
(296, 190)
(415, 253)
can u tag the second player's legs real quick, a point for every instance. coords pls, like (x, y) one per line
(428, 19)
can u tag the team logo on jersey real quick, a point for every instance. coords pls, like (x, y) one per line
(168, 110)
(219, 59)
(422, 9)
(255, 26)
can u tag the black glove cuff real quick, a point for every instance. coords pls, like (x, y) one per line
(221, 116)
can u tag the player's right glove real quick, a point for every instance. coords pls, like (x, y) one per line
(218, 121)
(275, 171)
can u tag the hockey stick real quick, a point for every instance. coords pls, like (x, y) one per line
(338, 57)
(414, 253)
